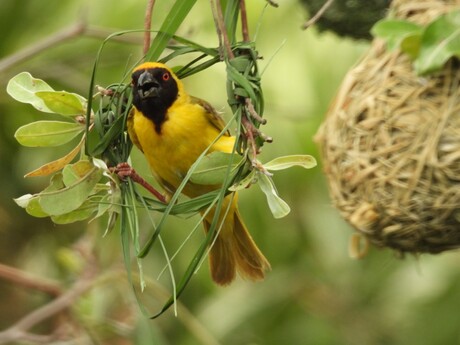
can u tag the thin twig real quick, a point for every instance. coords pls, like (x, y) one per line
(252, 111)
(244, 21)
(53, 40)
(318, 15)
(272, 3)
(219, 19)
(250, 131)
(20, 328)
(30, 281)
(148, 25)
(73, 31)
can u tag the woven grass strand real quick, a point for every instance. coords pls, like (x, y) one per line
(391, 146)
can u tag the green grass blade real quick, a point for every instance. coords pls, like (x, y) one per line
(169, 27)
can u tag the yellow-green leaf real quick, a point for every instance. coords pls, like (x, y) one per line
(81, 213)
(244, 183)
(281, 163)
(278, 206)
(23, 88)
(74, 172)
(62, 102)
(30, 203)
(47, 133)
(69, 198)
(34, 208)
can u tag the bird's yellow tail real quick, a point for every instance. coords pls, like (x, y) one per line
(233, 251)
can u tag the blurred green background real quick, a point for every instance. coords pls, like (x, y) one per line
(315, 294)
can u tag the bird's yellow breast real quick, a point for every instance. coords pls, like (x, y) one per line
(184, 135)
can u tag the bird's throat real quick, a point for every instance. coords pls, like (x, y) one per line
(155, 112)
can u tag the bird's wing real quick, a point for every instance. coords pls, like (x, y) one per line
(131, 131)
(212, 115)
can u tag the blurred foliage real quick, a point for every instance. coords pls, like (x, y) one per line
(351, 18)
(314, 294)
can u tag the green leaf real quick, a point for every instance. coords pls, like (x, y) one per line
(411, 45)
(81, 213)
(173, 20)
(244, 183)
(278, 206)
(285, 162)
(439, 43)
(30, 203)
(47, 133)
(62, 102)
(212, 168)
(395, 31)
(23, 88)
(74, 172)
(69, 198)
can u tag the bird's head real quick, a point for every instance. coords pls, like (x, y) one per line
(155, 87)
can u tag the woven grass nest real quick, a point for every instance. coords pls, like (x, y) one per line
(391, 147)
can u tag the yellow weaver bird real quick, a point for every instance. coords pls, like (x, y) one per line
(172, 129)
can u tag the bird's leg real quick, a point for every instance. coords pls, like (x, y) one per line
(124, 170)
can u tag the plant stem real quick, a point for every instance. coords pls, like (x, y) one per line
(244, 21)
(224, 42)
(148, 25)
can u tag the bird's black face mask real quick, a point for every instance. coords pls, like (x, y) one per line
(154, 91)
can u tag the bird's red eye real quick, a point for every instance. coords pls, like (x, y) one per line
(165, 76)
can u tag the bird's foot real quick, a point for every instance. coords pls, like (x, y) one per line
(124, 170)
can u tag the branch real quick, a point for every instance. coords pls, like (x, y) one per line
(148, 25)
(51, 41)
(73, 31)
(29, 280)
(224, 42)
(244, 21)
(19, 329)
(318, 15)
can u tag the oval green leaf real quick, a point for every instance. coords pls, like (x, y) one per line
(278, 206)
(47, 133)
(34, 208)
(23, 88)
(62, 102)
(83, 212)
(439, 42)
(30, 203)
(71, 197)
(394, 31)
(285, 162)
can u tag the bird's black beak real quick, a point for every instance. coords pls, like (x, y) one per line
(147, 85)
